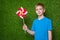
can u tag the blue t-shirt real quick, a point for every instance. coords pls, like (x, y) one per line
(41, 28)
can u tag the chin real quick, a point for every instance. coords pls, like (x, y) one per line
(40, 14)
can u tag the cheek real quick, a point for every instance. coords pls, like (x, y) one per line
(41, 11)
(36, 11)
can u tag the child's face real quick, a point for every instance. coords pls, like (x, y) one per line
(40, 10)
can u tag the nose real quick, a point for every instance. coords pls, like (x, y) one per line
(38, 10)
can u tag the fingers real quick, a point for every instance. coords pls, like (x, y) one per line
(24, 27)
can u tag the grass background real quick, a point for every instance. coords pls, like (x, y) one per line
(11, 25)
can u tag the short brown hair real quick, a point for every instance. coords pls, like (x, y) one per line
(40, 4)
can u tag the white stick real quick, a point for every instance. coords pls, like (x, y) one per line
(24, 23)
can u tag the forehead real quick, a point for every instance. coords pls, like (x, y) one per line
(39, 6)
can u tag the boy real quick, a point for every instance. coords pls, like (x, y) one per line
(42, 26)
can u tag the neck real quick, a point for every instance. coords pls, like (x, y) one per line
(40, 17)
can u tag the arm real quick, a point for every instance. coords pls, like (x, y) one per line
(49, 35)
(30, 32)
(27, 30)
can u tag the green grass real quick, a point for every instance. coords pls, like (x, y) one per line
(11, 25)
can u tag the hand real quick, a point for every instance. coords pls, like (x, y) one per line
(27, 30)
(25, 27)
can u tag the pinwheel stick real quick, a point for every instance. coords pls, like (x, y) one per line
(23, 24)
(23, 21)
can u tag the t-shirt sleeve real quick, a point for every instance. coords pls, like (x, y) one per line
(50, 25)
(33, 26)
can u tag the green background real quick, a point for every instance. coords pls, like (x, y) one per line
(11, 25)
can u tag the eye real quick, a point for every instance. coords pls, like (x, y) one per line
(40, 9)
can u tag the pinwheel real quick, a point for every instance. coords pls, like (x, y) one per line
(21, 13)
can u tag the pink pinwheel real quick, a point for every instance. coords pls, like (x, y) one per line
(21, 13)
